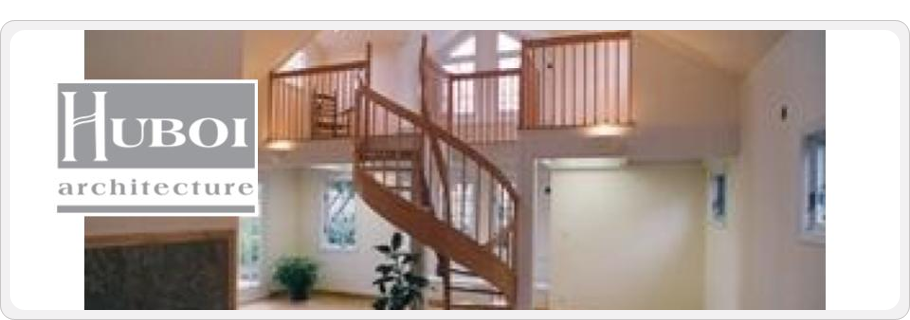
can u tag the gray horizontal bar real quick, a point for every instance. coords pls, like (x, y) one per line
(155, 209)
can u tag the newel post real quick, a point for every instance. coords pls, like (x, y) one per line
(525, 222)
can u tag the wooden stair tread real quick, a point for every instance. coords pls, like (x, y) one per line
(388, 154)
(388, 168)
(479, 306)
(330, 125)
(475, 289)
(463, 272)
(400, 187)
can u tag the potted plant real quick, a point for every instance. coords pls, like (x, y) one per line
(296, 274)
(400, 287)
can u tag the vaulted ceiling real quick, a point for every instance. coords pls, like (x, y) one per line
(734, 51)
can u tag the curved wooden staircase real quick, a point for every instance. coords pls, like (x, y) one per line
(442, 192)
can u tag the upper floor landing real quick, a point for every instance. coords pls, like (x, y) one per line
(607, 93)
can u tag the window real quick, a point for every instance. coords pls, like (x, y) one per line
(508, 52)
(338, 208)
(718, 199)
(251, 246)
(463, 205)
(814, 217)
(464, 57)
(298, 60)
(468, 48)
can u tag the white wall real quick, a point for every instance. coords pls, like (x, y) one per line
(342, 271)
(264, 51)
(723, 283)
(629, 238)
(684, 107)
(780, 269)
(280, 219)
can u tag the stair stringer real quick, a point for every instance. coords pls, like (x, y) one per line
(422, 225)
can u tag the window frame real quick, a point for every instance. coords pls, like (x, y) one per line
(260, 281)
(324, 214)
(447, 59)
(464, 196)
(810, 228)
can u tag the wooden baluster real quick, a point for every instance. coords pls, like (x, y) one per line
(480, 206)
(552, 107)
(503, 92)
(450, 107)
(481, 110)
(270, 112)
(464, 187)
(584, 119)
(491, 216)
(485, 109)
(574, 86)
(563, 110)
(628, 76)
(619, 81)
(522, 78)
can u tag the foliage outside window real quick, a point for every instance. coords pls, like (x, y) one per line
(339, 206)
(251, 247)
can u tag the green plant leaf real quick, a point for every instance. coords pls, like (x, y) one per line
(384, 249)
(383, 280)
(381, 303)
(396, 241)
(410, 257)
(384, 269)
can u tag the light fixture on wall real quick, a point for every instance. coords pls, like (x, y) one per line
(281, 145)
(337, 167)
(606, 130)
(585, 163)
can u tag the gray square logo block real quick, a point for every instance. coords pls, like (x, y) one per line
(156, 125)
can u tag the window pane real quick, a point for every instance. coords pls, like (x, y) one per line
(820, 187)
(338, 214)
(508, 94)
(509, 63)
(459, 67)
(463, 207)
(505, 43)
(815, 181)
(297, 61)
(465, 49)
(464, 97)
(251, 247)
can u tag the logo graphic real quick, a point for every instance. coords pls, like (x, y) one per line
(156, 125)
(190, 147)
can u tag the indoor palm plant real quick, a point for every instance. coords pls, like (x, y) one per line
(400, 286)
(296, 274)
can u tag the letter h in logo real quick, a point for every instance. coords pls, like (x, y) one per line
(70, 123)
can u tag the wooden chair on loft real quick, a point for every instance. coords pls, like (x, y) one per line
(315, 102)
(330, 119)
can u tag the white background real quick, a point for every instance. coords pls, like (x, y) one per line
(45, 250)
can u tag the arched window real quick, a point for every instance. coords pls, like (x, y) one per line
(298, 60)
(472, 51)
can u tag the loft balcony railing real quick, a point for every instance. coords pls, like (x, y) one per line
(577, 81)
(314, 103)
(477, 107)
(563, 82)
